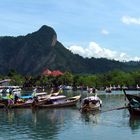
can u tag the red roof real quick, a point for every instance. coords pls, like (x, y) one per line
(46, 72)
(53, 73)
(56, 73)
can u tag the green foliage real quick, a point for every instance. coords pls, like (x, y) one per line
(115, 77)
(136, 76)
(16, 78)
(32, 53)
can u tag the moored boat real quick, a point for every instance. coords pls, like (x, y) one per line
(4, 90)
(134, 103)
(108, 90)
(91, 103)
(23, 102)
(56, 93)
(60, 101)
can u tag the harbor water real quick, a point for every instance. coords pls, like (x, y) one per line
(70, 123)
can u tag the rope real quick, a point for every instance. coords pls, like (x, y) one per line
(118, 108)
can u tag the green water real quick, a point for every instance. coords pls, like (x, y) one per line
(70, 124)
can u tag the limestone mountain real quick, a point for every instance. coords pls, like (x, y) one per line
(32, 53)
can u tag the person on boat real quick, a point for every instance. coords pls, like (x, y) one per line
(15, 98)
(35, 98)
(85, 107)
(10, 98)
(34, 93)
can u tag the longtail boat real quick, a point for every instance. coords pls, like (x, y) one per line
(91, 103)
(56, 102)
(28, 103)
(134, 103)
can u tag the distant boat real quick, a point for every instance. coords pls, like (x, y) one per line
(108, 90)
(137, 87)
(91, 90)
(91, 103)
(124, 87)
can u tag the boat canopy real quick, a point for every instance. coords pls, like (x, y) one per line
(92, 98)
(57, 97)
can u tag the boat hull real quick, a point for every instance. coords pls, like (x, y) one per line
(92, 103)
(33, 104)
(66, 103)
(69, 104)
(134, 111)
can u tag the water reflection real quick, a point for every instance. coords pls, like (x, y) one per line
(31, 124)
(51, 115)
(46, 123)
(134, 122)
(90, 117)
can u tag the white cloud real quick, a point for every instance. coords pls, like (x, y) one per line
(104, 32)
(95, 50)
(130, 20)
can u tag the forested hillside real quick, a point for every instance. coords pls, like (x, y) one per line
(32, 53)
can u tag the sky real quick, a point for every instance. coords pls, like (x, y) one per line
(90, 28)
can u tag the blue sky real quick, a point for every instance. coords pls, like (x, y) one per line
(91, 28)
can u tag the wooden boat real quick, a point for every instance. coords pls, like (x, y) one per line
(17, 105)
(57, 102)
(134, 103)
(43, 94)
(91, 103)
(4, 90)
(108, 90)
(56, 93)
(28, 103)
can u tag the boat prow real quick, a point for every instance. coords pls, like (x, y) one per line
(56, 93)
(91, 103)
(134, 104)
